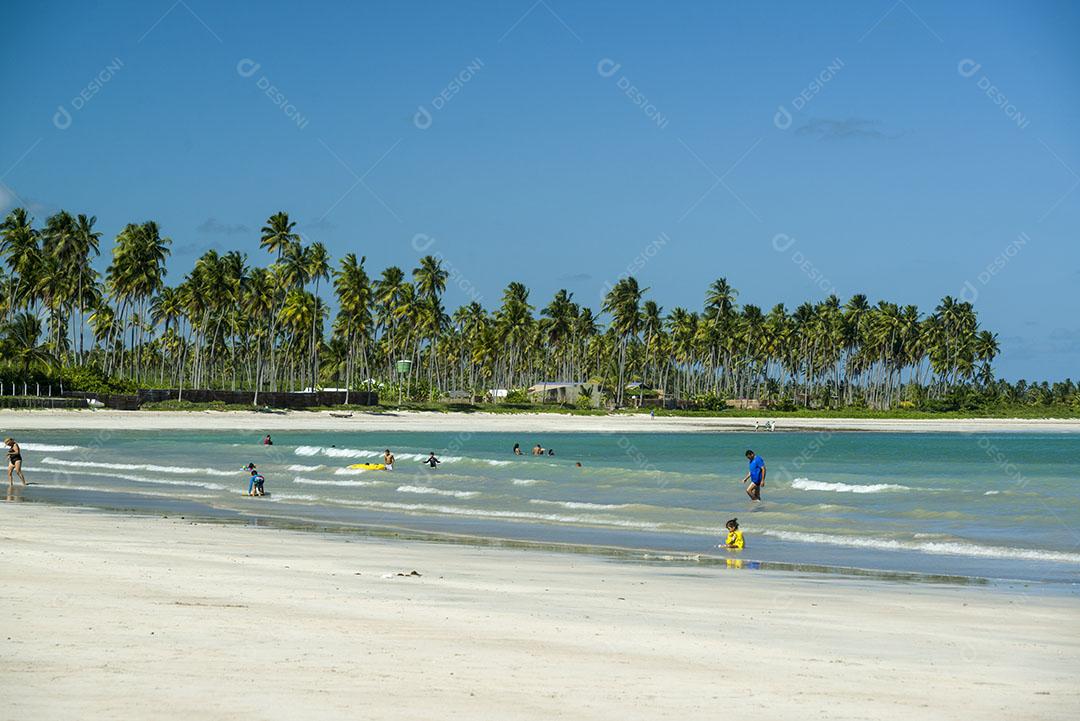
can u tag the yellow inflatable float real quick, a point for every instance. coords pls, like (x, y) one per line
(369, 466)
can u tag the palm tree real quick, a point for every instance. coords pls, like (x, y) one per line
(986, 349)
(558, 329)
(623, 303)
(514, 324)
(87, 242)
(317, 262)
(652, 325)
(277, 234)
(820, 354)
(390, 292)
(354, 295)
(21, 248)
(20, 343)
(258, 304)
(683, 326)
(430, 279)
(136, 273)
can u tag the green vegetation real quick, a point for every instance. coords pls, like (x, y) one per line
(230, 325)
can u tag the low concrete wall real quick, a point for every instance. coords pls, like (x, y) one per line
(41, 402)
(132, 401)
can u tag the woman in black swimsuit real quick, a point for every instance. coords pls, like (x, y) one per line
(14, 461)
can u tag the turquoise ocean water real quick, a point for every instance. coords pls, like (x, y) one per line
(998, 506)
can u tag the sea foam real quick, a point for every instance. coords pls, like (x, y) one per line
(426, 490)
(507, 515)
(937, 548)
(363, 453)
(805, 484)
(47, 448)
(320, 482)
(580, 504)
(139, 467)
(143, 479)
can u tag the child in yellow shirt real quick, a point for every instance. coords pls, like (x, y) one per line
(734, 536)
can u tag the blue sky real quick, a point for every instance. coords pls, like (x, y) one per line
(897, 149)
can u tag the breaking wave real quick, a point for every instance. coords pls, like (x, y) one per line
(937, 548)
(805, 484)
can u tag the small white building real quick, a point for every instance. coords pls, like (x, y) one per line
(565, 392)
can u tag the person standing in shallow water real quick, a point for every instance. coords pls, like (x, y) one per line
(755, 475)
(14, 455)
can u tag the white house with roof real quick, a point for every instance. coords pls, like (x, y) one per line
(565, 392)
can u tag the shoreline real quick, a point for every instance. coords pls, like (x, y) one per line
(409, 529)
(395, 532)
(88, 420)
(229, 621)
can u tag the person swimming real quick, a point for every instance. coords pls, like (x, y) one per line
(734, 537)
(388, 459)
(551, 451)
(431, 460)
(517, 449)
(268, 441)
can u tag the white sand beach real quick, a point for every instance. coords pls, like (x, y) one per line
(19, 420)
(112, 616)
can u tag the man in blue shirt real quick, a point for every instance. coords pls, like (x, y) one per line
(756, 476)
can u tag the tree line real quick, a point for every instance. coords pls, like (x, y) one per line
(231, 324)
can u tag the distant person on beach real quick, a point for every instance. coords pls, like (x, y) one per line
(517, 449)
(388, 459)
(734, 535)
(249, 467)
(432, 460)
(255, 485)
(268, 441)
(14, 458)
(755, 475)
